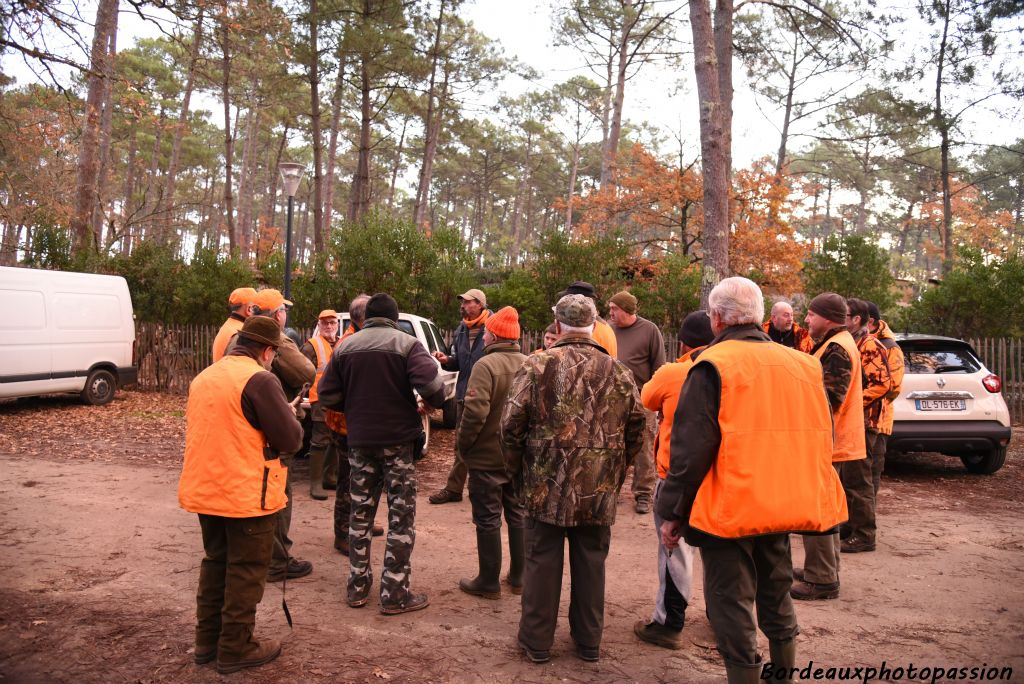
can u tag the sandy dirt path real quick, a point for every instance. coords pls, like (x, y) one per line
(98, 574)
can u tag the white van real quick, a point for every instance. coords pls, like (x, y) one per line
(65, 332)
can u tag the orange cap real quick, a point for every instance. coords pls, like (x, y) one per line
(504, 324)
(328, 313)
(270, 299)
(242, 295)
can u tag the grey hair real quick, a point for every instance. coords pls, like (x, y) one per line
(570, 329)
(737, 301)
(357, 309)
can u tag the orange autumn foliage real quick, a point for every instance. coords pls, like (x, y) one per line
(658, 209)
(763, 244)
(974, 224)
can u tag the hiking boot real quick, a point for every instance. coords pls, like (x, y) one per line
(643, 506)
(296, 568)
(413, 603)
(855, 544)
(808, 591)
(444, 496)
(341, 545)
(535, 656)
(205, 655)
(377, 530)
(264, 652)
(658, 634)
(357, 601)
(798, 574)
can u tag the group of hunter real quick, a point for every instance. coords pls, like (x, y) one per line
(545, 441)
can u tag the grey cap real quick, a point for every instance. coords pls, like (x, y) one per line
(575, 310)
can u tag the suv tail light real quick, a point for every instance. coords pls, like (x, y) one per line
(992, 383)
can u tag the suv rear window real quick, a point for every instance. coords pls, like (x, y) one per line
(936, 356)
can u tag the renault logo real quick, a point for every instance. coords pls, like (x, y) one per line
(941, 382)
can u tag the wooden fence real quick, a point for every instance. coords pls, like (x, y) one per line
(170, 356)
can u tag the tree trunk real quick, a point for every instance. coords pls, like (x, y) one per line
(314, 120)
(397, 164)
(332, 149)
(106, 124)
(943, 126)
(611, 146)
(86, 190)
(229, 141)
(167, 200)
(273, 176)
(714, 141)
(360, 200)
(723, 54)
(574, 169)
(517, 210)
(430, 132)
(787, 115)
(246, 183)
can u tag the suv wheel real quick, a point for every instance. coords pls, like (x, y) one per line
(448, 413)
(987, 463)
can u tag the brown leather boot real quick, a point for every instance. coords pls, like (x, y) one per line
(261, 653)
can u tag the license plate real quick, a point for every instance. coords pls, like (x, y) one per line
(941, 404)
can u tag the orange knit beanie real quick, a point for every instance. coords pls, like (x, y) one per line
(504, 324)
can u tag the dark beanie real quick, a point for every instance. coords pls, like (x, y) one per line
(382, 305)
(874, 312)
(696, 330)
(829, 306)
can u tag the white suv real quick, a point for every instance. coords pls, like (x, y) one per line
(950, 403)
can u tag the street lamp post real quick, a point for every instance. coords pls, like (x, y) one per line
(291, 174)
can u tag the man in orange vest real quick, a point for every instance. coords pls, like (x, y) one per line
(781, 327)
(318, 350)
(237, 423)
(857, 475)
(835, 347)
(675, 569)
(896, 361)
(730, 459)
(241, 303)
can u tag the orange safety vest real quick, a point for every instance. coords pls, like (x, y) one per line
(661, 393)
(605, 336)
(224, 335)
(224, 472)
(849, 419)
(323, 351)
(773, 472)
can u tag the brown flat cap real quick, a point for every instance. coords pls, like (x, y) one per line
(262, 329)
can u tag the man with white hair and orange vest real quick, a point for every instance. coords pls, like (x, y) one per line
(237, 423)
(741, 478)
(835, 347)
(318, 350)
(241, 303)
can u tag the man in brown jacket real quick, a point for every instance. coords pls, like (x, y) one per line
(572, 424)
(490, 488)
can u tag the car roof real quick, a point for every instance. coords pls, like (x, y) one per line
(401, 316)
(914, 337)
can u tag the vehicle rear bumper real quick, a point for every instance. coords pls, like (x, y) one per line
(954, 437)
(127, 375)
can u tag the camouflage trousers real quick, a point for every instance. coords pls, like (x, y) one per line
(371, 470)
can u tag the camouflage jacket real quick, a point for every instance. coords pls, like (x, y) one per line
(875, 376)
(572, 424)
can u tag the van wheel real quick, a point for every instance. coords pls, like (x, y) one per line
(448, 413)
(987, 463)
(99, 388)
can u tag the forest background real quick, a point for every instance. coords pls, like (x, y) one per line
(145, 140)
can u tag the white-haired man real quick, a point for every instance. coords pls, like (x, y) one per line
(729, 460)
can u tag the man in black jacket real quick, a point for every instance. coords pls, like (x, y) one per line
(371, 378)
(467, 348)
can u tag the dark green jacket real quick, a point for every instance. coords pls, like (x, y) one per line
(486, 392)
(572, 424)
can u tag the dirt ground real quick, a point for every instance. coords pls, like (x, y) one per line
(98, 574)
